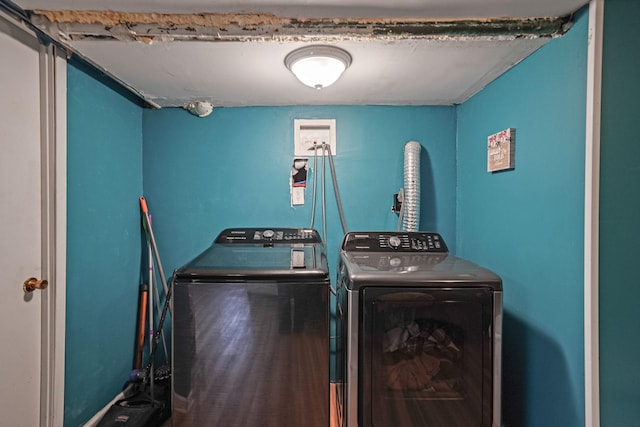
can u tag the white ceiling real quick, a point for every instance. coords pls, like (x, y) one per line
(185, 64)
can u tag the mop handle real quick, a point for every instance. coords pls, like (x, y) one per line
(143, 205)
(152, 240)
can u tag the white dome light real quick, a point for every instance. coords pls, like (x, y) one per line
(318, 66)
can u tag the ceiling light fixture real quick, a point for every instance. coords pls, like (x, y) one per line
(318, 66)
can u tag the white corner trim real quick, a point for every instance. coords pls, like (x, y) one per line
(591, 215)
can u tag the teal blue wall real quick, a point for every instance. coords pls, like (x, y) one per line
(104, 181)
(527, 225)
(232, 169)
(619, 217)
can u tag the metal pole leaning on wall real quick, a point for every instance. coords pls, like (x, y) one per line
(154, 247)
(154, 295)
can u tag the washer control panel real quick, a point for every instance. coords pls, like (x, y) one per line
(400, 241)
(268, 235)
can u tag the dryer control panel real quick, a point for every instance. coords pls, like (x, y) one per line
(268, 235)
(390, 241)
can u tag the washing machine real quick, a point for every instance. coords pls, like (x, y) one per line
(251, 333)
(419, 334)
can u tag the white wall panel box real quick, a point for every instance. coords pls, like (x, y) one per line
(308, 133)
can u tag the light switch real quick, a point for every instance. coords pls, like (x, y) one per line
(297, 196)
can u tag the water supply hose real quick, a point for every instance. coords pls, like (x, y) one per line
(335, 189)
(326, 148)
(315, 175)
(324, 204)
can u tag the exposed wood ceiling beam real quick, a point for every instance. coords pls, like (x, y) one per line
(150, 27)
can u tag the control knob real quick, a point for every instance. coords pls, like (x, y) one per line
(395, 242)
(268, 234)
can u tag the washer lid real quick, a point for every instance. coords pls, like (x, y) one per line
(257, 259)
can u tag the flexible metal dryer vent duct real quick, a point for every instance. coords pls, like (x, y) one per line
(411, 198)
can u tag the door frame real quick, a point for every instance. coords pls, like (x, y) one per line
(53, 119)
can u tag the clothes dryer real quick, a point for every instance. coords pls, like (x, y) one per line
(419, 334)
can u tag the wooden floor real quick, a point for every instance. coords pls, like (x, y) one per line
(333, 416)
